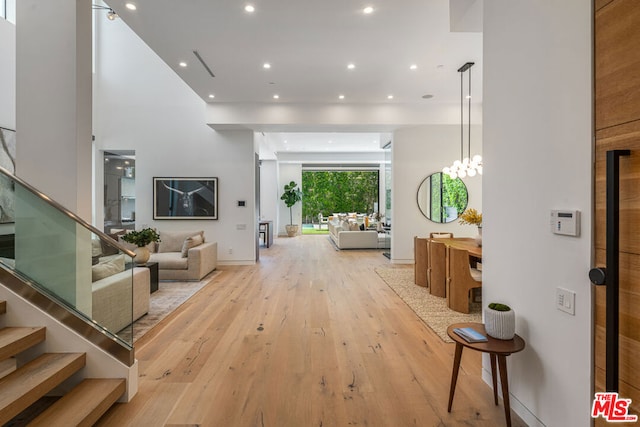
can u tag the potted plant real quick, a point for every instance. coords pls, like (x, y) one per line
(473, 217)
(500, 321)
(291, 196)
(141, 239)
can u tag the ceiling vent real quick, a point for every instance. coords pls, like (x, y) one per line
(204, 64)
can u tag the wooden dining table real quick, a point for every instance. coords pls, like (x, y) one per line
(467, 243)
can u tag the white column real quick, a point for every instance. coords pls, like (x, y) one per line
(53, 100)
(53, 143)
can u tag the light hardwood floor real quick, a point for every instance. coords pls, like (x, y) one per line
(309, 336)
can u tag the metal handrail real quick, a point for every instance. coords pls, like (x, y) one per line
(66, 211)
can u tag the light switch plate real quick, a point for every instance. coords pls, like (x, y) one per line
(566, 301)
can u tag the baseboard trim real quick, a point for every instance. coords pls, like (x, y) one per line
(518, 407)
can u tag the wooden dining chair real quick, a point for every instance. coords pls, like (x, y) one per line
(437, 268)
(421, 260)
(462, 278)
(441, 235)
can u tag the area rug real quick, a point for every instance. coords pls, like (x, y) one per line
(169, 296)
(431, 309)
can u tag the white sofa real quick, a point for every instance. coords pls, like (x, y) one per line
(113, 288)
(184, 255)
(351, 239)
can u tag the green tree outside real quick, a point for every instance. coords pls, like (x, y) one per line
(338, 191)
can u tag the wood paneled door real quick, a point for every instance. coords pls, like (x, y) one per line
(617, 126)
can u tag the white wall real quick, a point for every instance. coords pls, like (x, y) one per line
(417, 153)
(7, 74)
(537, 150)
(269, 190)
(141, 104)
(53, 100)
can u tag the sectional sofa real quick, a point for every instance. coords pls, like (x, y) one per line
(349, 236)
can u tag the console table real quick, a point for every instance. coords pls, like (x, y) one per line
(497, 349)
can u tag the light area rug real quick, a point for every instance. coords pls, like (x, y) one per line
(169, 296)
(431, 309)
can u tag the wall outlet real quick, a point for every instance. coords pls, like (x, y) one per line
(230, 251)
(566, 301)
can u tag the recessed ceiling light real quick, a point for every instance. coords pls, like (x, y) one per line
(266, 65)
(340, 96)
(351, 66)
(389, 96)
(130, 6)
(249, 8)
(330, 142)
(182, 64)
(427, 96)
(468, 97)
(413, 67)
(367, 10)
(211, 96)
(276, 96)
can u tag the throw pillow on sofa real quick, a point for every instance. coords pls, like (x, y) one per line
(107, 268)
(173, 241)
(191, 242)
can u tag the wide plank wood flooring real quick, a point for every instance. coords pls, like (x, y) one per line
(309, 336)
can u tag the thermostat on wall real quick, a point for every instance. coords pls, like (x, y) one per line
(566, 223)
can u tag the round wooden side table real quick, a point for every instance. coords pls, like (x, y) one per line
(497, 349)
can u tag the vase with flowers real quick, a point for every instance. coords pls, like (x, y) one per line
(473, 217)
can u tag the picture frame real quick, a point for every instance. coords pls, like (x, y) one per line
(185, 198)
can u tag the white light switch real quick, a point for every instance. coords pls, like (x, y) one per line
(566, 300)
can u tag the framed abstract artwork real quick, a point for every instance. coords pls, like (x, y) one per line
(185, 198)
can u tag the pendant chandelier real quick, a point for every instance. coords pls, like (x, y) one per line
(466, 166)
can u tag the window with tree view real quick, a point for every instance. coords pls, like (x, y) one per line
(326, 192)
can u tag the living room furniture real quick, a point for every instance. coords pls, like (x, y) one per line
(356, 239)
(265, 228)
(112, 298)
(497, 349)
(184, 255)
(153, 275)
(421, 260)
(462, 278)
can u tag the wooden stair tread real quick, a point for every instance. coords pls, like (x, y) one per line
(84, 405)
(28, 383)
(15, 340)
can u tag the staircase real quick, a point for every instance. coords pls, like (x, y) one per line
(21, 387)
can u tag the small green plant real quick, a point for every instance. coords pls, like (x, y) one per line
(142, 237)
(291, 196)
(499, 307)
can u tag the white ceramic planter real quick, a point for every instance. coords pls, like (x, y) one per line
(500, 324)
(142, 255)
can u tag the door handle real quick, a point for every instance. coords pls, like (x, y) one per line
(598, 276)
(609, 276)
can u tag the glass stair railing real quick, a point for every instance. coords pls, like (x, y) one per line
(67, 267)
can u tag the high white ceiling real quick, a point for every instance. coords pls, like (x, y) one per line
(309, 45)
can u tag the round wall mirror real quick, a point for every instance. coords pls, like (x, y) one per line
(442, 199)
